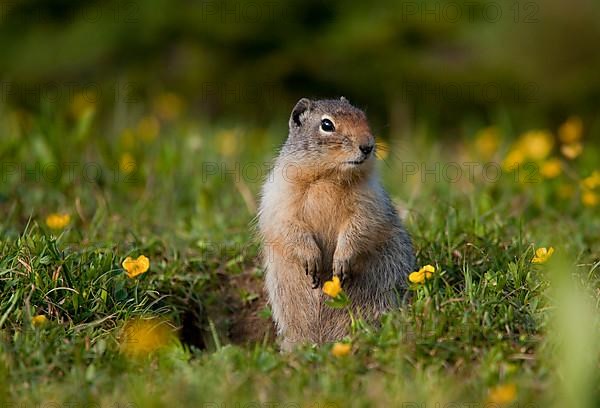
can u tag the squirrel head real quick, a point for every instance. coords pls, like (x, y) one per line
(332, 136)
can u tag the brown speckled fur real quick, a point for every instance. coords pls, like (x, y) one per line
(321, 215)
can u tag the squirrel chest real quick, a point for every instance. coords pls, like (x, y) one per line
(324, 207)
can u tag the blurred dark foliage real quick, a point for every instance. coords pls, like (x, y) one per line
(253, 58)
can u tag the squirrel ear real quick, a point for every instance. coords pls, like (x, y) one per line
(298, 112)
(343, 99)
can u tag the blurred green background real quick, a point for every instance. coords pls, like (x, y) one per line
(146, 127)
(401, 60)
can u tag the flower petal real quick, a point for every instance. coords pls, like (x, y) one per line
(416, 277)
(341, 349)
(135, 267)
(333, 287)
(428, 268)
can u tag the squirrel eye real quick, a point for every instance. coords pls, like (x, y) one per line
(327, 125)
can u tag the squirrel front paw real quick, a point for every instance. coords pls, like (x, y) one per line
(341, 268)
(311, 261)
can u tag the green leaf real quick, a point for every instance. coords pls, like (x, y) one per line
(338, 302)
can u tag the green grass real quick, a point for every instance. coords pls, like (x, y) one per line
(489, 316)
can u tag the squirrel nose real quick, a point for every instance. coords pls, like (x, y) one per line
(366, 148)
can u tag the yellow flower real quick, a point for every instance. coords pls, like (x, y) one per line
(551, 168)
(536, 144)
(425, 272)
(514, 158)
(503, 394)
(428, 270)
(128, 139)
(39, 320)
(542, 255)
(592, 181)
(82, 104)
(571, 151)
(570, 131)
(416, 277)
(565, 191)
(58, 221)
(135, 267)
(127, 163)
(487, 141)
(590, 199)
(341, 349)
(227, 143)
(168, 106)
(333, 287)
(382, 150)
(143, 336)
(148, 128)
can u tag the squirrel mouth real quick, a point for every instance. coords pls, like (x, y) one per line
(356, 162)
